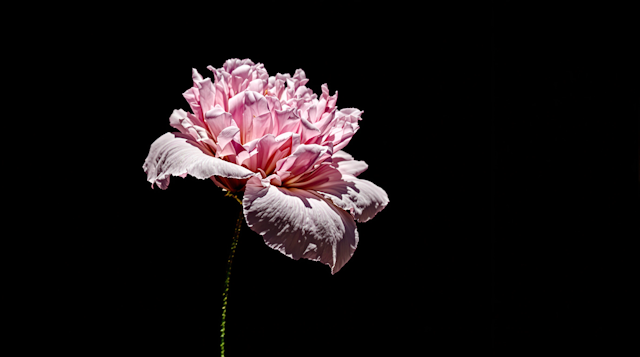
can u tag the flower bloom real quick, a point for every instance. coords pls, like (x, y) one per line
(273, 140)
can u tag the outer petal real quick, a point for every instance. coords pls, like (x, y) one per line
(178, 155)
(347, 165)
(363, 199)
(300, 223)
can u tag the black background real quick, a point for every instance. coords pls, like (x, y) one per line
(499, 133)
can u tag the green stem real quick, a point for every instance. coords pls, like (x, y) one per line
(225, 294)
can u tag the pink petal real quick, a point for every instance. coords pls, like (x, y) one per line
(195, 76)
(176, 118)
(176, 154)
(256, 85)
(229, 142)
(200, 96)
(317, 110)
(331, 100)
(257, 116)
(250, 111)
(221, 84)
(277, 86)
(347, 165)
(286, 121)
(300, 76)
(307, 131)
(344, 125)
(324, 178)
(302, 160)
(207, 95)
(236, 108)
(363, 199)
(189, 125)
(239, 79)
(300, 223)
(324, 123)
(217, 120)
(192, 95)
(270, 149)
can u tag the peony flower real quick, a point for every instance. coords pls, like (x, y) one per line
(273, 141)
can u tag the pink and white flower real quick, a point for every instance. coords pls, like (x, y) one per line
(274, 141)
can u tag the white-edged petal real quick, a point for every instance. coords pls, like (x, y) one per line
(178, 155)
(347, 165)
(300, 223)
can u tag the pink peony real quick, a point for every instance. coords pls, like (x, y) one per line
(273, 140)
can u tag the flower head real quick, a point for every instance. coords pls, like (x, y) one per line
(273, 140)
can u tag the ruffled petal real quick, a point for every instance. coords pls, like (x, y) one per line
(221, 84)
(236, 109)
(229, 143)
(286, 121)
(178, 154)
(324, 123)
(250, 111)
(240, 78)
(192, 95)
(217, 120)
(363, 198)
(347, 165)
(207, 95)
(303, 159)
(344, 125)
(270, 149)
(300, 223)
(189, 125)
(308, 131)
(257, 116)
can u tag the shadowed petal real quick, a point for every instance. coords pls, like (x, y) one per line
(302, 160)
(325, 178)
(270, 149)
(300, 223)
(178, 155)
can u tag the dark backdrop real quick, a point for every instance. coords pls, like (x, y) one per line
(486, 127)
